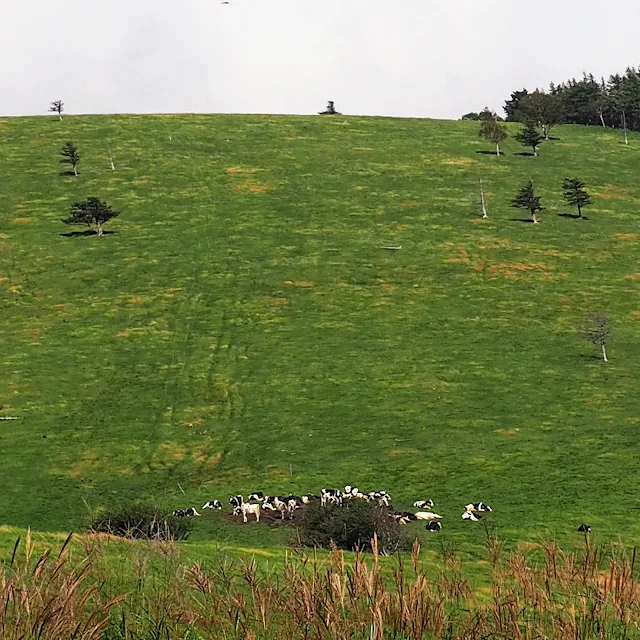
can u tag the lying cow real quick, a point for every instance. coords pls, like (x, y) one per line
(212, 504)
(434, 526)
(427, 515)
(424, 504)
(479, 507)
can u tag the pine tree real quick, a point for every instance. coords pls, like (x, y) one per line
(529, 137)
(527, 200)
(576, 195)
(493, 131)
(330, 110)
(70, 156)
(92, 213)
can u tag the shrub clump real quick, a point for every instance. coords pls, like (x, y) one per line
(350, 526)
(141, 522)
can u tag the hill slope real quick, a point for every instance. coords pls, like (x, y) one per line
(242, 328)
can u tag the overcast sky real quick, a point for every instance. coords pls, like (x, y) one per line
(434, 58)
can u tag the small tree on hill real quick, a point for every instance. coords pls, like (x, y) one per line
(91, 213)
(70, 156)
(528, 200)
(542, 108)
(330, 110)
(529, 137)
(57, 106)
(598, 332)
(576, 195)
(493, 131)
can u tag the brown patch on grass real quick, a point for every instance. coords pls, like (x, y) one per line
(384, 302)
(21, 220)
(275, 301)
(15, 288)
(633, 276)
(173, 450)
(626, 236)
(508, 432)
(515, 270)
(458, 162)
(136, 299)
(253, 187)
(240, 171)
(303, 284)
(364, 149)
(275, 472)
(635, 315)
(127, 332)
(174, 289)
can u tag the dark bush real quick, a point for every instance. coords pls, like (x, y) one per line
(352, 525)
(142, 522)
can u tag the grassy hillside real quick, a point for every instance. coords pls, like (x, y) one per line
(242, 328)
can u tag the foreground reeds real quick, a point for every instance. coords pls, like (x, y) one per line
(544, 594)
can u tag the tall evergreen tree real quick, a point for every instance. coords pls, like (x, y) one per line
(512, 106)
(529, 136)
(92, 213)
(330, 110)
(545, 109)
(494, 132)
(528, 200)
(575, 194)
(70, 156)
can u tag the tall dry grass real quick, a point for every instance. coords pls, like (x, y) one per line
(545, 593)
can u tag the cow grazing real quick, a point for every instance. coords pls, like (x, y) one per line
(424, 504)
(479, 507)
(584, 528)
(434, 526)
(427, 515)
(185, 513)
(212, 504)
(178, 513)
(333, 496)
(258, 496)
(470, 515)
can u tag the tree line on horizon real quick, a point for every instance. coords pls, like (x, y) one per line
(609, 103)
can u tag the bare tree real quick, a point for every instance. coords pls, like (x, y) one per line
(624, 127)
(494, 132)
(57, 106)
(598, 331)
(113, 167)
(483, 201)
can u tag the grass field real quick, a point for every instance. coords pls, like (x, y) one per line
(242, 328)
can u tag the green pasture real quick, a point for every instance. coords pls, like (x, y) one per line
(242, 328)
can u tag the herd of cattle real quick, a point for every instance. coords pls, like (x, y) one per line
(286, 506)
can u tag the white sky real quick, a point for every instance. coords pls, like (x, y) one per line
(434, 58)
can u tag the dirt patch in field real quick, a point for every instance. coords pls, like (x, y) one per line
(303, 284)
(635, 315)
(275, 301)
(458, 162)
(174, 290)
(508, 432)
(240, 171)
(21, 220)
(136, 299)
(626, 236)
(173, 450)
(364, 149)
(516, 270)
(633, 276)
(253, 187)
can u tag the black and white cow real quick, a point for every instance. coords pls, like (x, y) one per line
(310, 499)
(434, 526)
(333, 496)
(258, 496)
(424, 504)
(584, 528)
(479, 507)
(470, 515)
(212, 504)
(236, 502)
(185, 513)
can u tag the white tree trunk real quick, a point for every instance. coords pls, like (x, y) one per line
(604, 353)
(626, 137)
(535, 220)
(482, 200)
(498, 149)
(75, 171)
(113, 168)
(602, 119)
(99, 228)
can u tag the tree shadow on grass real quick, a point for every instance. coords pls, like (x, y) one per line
(526, 220)
(526, 154)
(573, 216)
(486, 152)
(69, 173)
(86, 232)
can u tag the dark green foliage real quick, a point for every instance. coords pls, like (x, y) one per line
(544, 109)
(527, 200)
(575, 194)
(57, 106)
(529, 136)
(512, 106)
(70, 156)
(330, 110)
(485, 114)
(494, 132)
(92, 213)
(142, 522)
(351, 525)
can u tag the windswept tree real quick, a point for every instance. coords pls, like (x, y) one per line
(494, 132)
(529, 137)
(576, 195)
(57, 106)
(70, 156)
(598, 332)
(528, 200)
(330, 110)
(92, 213)
(542, 108)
